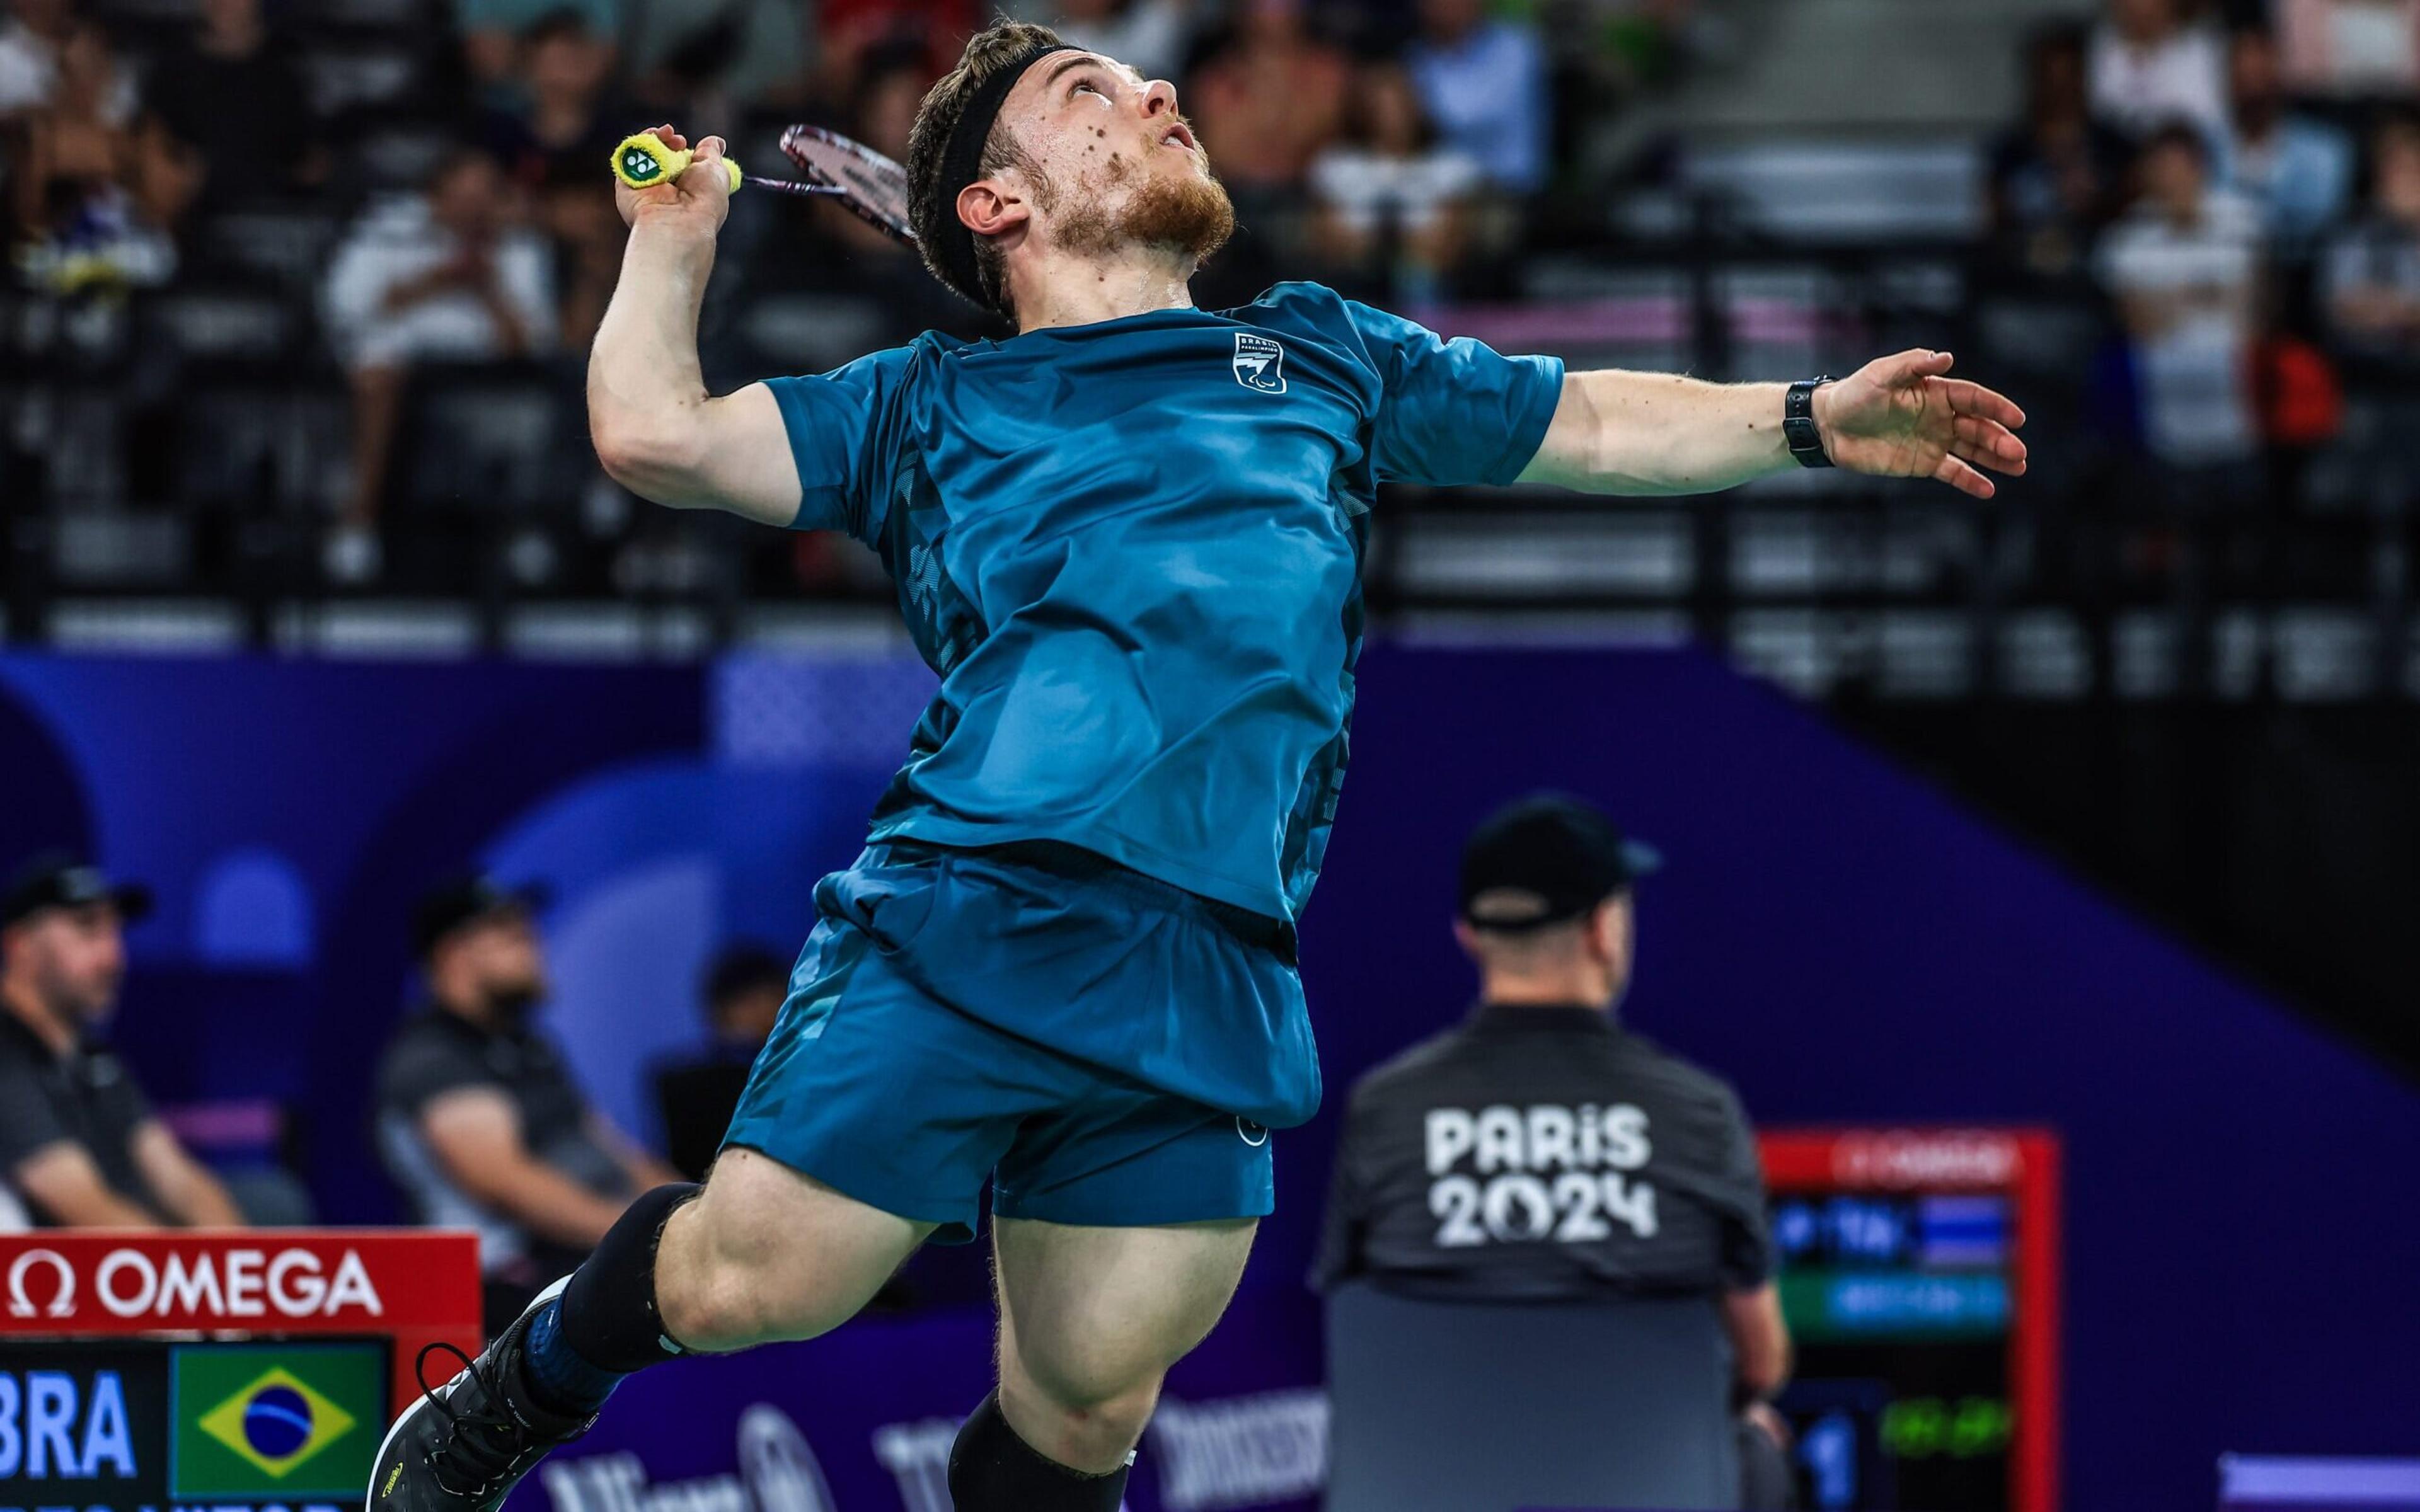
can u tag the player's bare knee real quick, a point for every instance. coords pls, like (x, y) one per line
(1076, 1423)
(1102, 1379)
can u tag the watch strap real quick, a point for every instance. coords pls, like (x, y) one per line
(1799, 425)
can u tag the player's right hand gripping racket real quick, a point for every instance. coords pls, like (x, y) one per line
(867, 183)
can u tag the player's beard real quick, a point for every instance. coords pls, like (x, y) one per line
(1188, 214)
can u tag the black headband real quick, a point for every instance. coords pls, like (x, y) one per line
(953, 247)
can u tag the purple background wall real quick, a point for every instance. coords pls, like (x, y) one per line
(1834, 936)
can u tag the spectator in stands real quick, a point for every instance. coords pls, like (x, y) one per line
(550, 140)
(445, 275)
(97, 190)
(2370, 272)
(31, 42)
(2185, 267)
(492, 32)
(848, 30)
(2296, 169)
(743, 991)
(1150, 34)
(79, 1143)
(901, 298)
(2349, 48)
(478, 1117)
(1483, 81)
(1269, 100)
(1675, 1203)
(232, 97)
(703, 62)
(557, 126)
(2151, 67)
(890, 86)
(1392, 203)
(2058, 178)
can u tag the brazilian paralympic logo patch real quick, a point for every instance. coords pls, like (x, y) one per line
(1260, 362)
(260, 1421)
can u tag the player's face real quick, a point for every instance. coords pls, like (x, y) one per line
(75, 958)
(1116, 162)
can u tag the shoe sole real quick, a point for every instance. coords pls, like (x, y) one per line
(370, 1497)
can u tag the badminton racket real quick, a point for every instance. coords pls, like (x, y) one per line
(867, 183)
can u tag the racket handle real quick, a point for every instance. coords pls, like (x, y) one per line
(643, 160)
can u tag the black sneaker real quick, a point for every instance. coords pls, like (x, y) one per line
(465, 1443)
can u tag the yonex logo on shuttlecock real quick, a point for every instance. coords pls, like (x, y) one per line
(1260, 362)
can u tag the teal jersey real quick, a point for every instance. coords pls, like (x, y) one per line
(1132, 551)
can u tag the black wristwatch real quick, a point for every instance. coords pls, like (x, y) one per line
(1798, 424)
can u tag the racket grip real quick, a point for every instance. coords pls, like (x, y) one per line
(643, 160)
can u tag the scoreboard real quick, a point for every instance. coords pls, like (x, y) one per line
(1919, 1275)
(195, 1371)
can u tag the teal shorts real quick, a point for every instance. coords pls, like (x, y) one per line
(1108, 1049)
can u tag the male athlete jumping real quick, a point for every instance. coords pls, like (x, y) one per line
(1129, 540)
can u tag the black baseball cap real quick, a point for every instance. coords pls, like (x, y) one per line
(468, 899)
(1546, 858)
(57, 879)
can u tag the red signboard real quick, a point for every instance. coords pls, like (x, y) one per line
(416, 1288)
(2021, 1166)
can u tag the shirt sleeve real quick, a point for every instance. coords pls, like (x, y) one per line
(127, 1105)
(1453, 412)
(1348, 1215)
(1748, 1233)
(27, 1124)
(841, 426)
(418, 1071)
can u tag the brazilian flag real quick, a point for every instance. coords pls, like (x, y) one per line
(258, 1421)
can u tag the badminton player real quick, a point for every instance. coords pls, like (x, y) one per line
(1129, 540)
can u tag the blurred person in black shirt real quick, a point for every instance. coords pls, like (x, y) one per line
(2059, 177)
(2369, 274)
(478, 1117)
(79, 1143)
(743, 991)
(1541, 1151)
(232, 97)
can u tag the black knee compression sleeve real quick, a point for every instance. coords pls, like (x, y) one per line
(992, 1470)
(609, 1309)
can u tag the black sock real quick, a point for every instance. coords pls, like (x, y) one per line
(609, 1309)
(992, 1470)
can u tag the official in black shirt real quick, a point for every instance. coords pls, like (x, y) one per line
(479, 1117)
(1541, 1151)
(79, 1145)
(743, 991)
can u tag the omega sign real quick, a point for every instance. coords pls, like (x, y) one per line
(211, 1284)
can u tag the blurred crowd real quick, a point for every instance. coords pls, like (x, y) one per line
(1391, 152)
(2241, 185)
(399, 223)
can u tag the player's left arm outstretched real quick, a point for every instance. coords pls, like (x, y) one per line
(1659, 433)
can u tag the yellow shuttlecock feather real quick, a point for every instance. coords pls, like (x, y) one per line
(643, 160)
